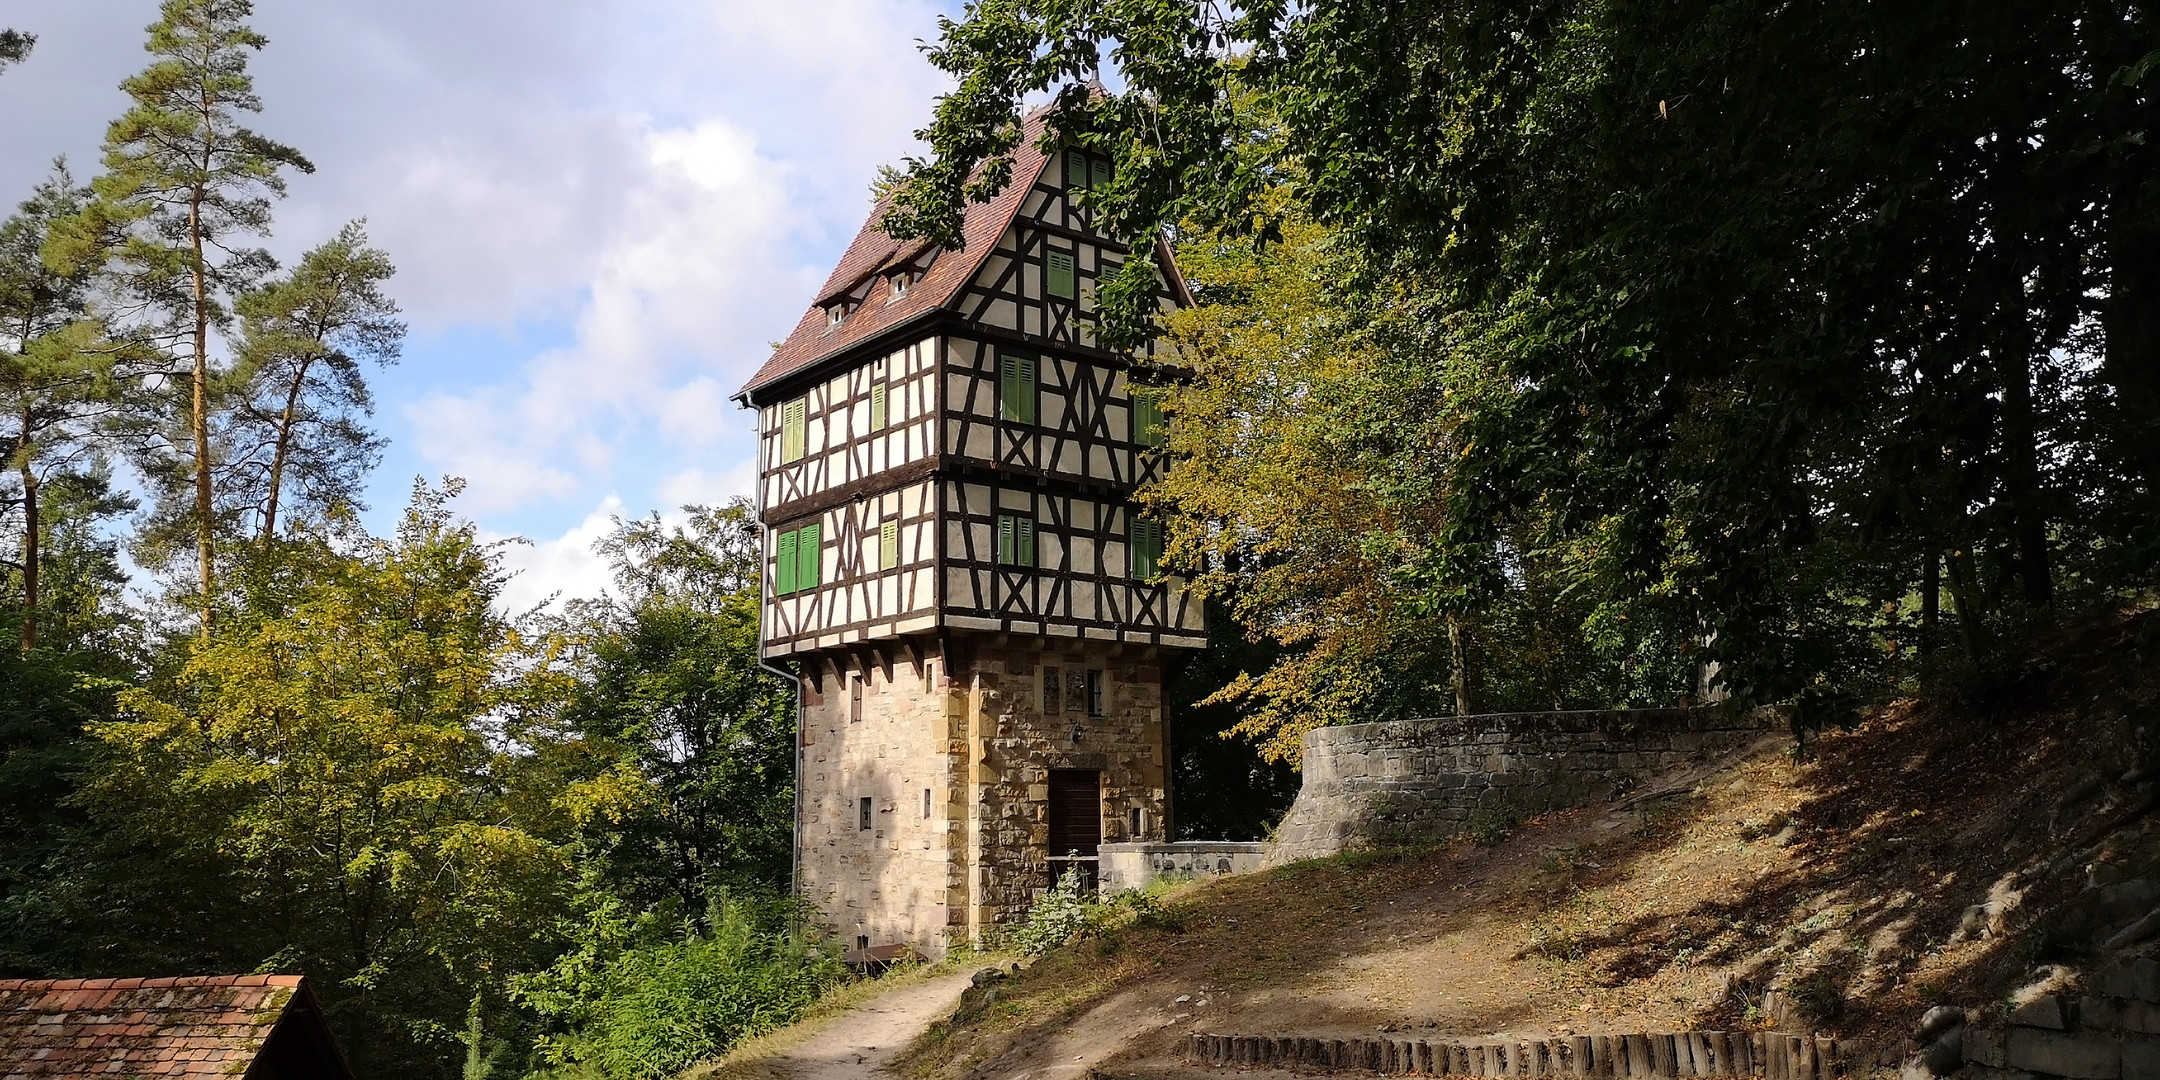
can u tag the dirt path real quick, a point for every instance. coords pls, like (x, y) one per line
(863, 1040)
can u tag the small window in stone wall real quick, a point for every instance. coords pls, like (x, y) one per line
(1094, 693)
(926, 804)
(1139, 823)
(854, 708)
(929, 676)
(862, 813)
(1050, 690)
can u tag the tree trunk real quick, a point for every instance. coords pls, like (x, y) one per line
(205, 541)
(2021, 453)
(32, 541)
(1930, 602)
(1961, 602)
(1459, 665)
(2132, 323)
(284, 447)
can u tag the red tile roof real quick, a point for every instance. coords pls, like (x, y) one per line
(873, 251)
(194, 1026)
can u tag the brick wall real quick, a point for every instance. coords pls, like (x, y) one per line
(1429, 779)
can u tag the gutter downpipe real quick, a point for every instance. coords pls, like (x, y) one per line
(757, 423)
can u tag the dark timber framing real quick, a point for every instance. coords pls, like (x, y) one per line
(947, 461)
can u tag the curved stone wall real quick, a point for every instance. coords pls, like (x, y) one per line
(1412, 780)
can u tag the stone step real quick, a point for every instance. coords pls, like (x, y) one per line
(1649, 1056)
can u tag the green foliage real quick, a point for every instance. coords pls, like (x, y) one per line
(341, 776)
(1769, 329)
(15, 47)
(184, 187)
(362, 768)
(1073, 911)
(669, 694)
(59, 390)
(658, 1007)
(1058, 916)
(1490, 826)
(1226, 790)
(298, 394)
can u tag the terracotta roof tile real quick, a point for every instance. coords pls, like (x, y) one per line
(872, 251)
(207, 1025)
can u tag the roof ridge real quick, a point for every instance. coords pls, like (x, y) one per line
(153, 983)
(816, 338)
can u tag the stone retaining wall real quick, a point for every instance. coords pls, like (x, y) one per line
(1430, 779)
(2111, 1032)
(1769, 1055)
(1134, 866)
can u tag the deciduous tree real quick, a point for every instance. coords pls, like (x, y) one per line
(1776, 307)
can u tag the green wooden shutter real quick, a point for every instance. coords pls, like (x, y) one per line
(807, 558)
(1058, 279)
(1148, 426)
(1016, 388)
(794, 418)
(1144, 542)
(1005, 530)
(1024, 541)
(877, 406)
(888, 543)
(784, 565)
(1098, 173)
(1076, 169)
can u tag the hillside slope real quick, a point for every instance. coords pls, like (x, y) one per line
(1941, 852)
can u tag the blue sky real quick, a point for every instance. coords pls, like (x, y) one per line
(602, 215)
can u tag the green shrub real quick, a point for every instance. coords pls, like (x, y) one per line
(1491, 825)
(1071, 911)
(660, 1008)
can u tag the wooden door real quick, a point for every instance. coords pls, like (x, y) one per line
(1075, 823)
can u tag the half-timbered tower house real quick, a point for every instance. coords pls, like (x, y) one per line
(956, 574)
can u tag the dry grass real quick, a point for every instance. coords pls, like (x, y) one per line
(1839, 876)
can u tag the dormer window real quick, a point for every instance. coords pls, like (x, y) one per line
(898, 286)
(835, 314)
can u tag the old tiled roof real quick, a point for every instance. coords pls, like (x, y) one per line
(873, 251)
(196, 1026)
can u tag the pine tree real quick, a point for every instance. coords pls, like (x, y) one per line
(15, 47)
(184, 185)
(57, 373)
(298, 423)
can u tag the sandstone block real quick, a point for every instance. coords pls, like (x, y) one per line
(2086, 1056)
(2140, 1059)
(2120, 1013)
(1985, 1046)
(2133, 977)
(2046, 1011)
(1984, 1072)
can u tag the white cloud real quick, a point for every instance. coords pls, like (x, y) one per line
(650, 190)
(551, 571)
(698, 253)
(697, 487)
